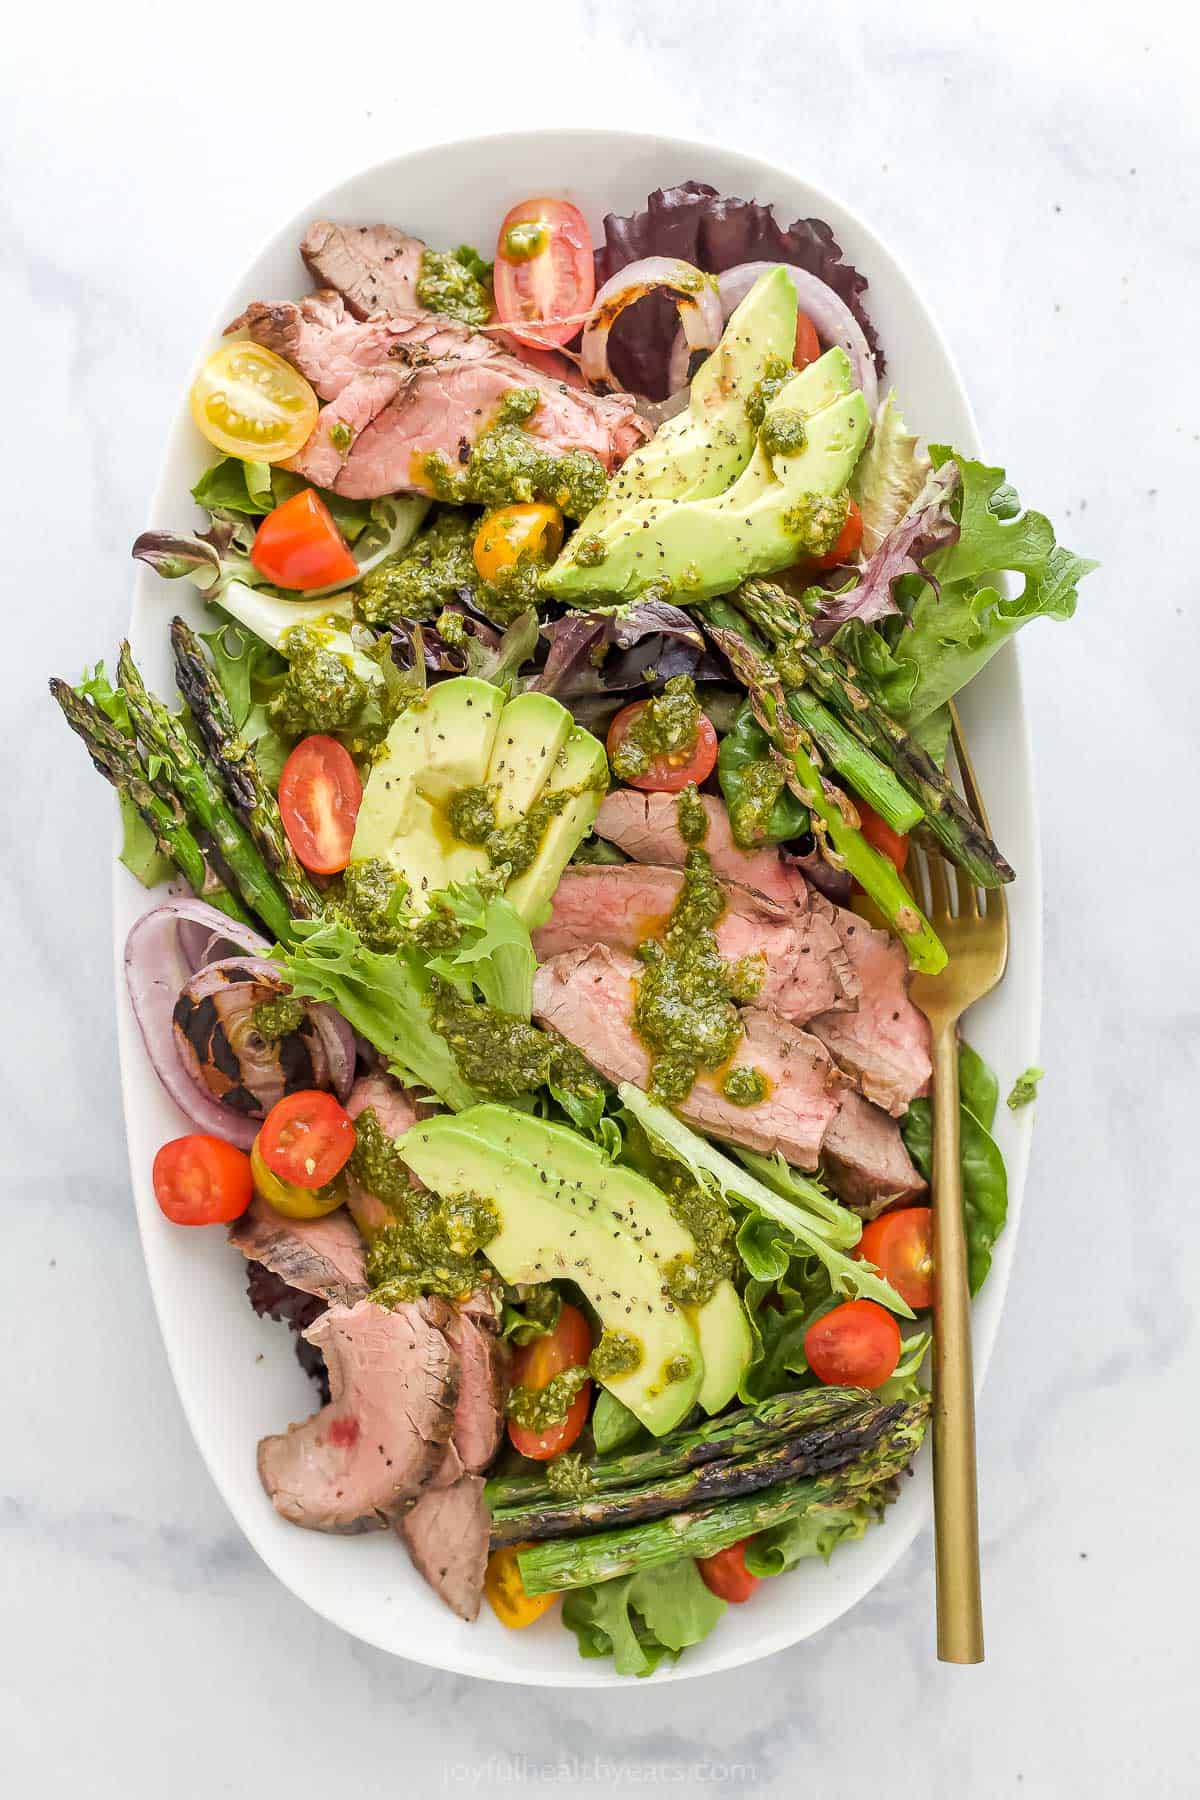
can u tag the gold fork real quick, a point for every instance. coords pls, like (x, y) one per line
(973, 925)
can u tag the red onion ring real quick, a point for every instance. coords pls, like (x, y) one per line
(158, 965)
(832, 320)
(695, 296)
(155, 969)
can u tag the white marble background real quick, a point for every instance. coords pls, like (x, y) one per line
(1036, 166)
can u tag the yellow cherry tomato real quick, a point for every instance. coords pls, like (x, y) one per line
(506, 1591)
(292, 1201)
(531, 532)
(250, 403)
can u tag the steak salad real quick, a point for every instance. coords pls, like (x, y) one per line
(531, 940)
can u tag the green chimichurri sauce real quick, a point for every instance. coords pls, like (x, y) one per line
(691, 817)
(278, 1018)
(775, 374)
(370, 899)
(420, 581)
(504, 1056)
(816, 521)
(457, 284)
(507, 464)
(783, 433)
(667, 725)
(376, 1164)
(340, 435)
(432, 1247)
(745, 1087)
(471, 815)
(525, 240)
(569, 1477)
(318, 693)
(617, 1353)
(537, 1409)
(686, 1007)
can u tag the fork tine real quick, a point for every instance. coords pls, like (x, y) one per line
(968, 895)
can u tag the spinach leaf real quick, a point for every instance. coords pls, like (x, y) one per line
(984, 1178)
(762, 808)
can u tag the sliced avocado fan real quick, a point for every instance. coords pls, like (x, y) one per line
(468, 781)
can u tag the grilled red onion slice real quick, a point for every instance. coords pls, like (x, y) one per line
(695, 296)
(160, 962)
(832, 320)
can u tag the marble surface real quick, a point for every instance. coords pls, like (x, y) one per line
(1035, 167)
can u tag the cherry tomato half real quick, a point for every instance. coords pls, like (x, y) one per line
(725, 1573)
(292, 1201)
(506, 1591)
(529, 529)
(319, 797)
(849, 539)
(670, 773)
(544, 276)
(298, 546)
(306, 1138)
(877, 831)
(855, 1345)
(250, 403)
(202, 1180)
(535, 1365)
(808, 344)
(900, 1244)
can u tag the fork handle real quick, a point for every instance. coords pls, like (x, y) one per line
(955, 1501)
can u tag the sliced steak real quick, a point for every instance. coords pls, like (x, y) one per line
(624, 905)
(375, 268)
(482, 1390)
(414, 384)
(319, 1256)
(646, 827)
(396, 1109)
(885, 1044)
(358, 1463)
(587, 996)
(865, 1160)
(446, 1534)
(874, 1031)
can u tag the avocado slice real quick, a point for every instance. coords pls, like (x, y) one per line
(775, 512)
(580, 765)
(533, 729)
(635, 1205)
(726, 1344)
(702, 450)
(463, 734)
(552, 1228)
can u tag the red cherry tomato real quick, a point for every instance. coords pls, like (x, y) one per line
(202, 1180)
(535, 1365)
(544, 276)
(892, 844)
(808, 344)
(670, 773)
(306, 1138)
(319, 797)
(855, 1345)
(849, 539)
(725, 1573)
(900, 1244)
(298, 546)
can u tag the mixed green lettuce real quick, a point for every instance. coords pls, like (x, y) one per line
(640, 1618)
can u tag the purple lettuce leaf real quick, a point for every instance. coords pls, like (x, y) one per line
(927, 526)
(612, 653)
(715, 232)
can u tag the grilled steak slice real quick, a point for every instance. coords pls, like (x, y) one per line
(587, 996)
(621, 906)
(375, 268)
(885, 1044)
(646, 827)
(414, 384)
(865, 1161)
(358, 1463)
(482, 1388)
(446, 1534)
(319, 1256)
(874, 1031)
